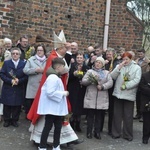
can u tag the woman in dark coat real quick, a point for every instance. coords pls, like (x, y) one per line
(145, 105)
(13, 88)
(76, 90)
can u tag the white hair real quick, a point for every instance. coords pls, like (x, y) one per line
(7, 40)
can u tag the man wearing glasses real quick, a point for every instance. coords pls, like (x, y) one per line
(26, 50)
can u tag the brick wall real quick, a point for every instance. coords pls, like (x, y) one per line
(6, 18)
(82, 21)
(125, 29)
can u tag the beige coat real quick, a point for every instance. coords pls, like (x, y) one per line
(95, 99)
(33, 77)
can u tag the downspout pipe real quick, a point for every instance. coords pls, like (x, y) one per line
(106, 28)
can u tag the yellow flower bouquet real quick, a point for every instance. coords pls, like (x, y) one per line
(80, 74)
(126, 78)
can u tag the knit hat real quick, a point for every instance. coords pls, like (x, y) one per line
(60, 40)
(101, 59)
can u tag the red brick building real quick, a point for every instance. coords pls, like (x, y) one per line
(82, 21)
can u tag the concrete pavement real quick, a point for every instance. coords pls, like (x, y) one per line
(12, 138)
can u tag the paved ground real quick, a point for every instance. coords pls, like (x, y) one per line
(12, 138)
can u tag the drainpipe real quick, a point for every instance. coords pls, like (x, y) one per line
(107, 16)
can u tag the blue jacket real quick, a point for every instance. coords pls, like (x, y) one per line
(13, 95)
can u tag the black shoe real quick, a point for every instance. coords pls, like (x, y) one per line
(128, 139)
(89, 135)
(109, 133)
(115, 137)
(141, 119)
(15, 124)
(137, 116)
(97, 135)
(78, 129)
(6, 124)
(79, 141)
(145, 141)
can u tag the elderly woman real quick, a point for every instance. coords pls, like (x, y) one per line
(8, 46)
(13, 88)
(34, 68)
(96, 100)
(127, 75)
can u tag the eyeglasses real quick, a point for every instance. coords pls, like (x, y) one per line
(15, 53)
(24, 41)
(40, 50)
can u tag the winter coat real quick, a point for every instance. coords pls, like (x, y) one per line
(134, 73)
(52, 99)
(114, 64)
(95, 99)
(33, 78)
(13, 95)
(76, 90)
(144, 87)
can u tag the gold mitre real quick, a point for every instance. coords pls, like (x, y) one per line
(60, 40)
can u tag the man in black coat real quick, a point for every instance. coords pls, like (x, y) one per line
(145, 105)
(112, 62)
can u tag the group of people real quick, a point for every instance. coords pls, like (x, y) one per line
(57, 90)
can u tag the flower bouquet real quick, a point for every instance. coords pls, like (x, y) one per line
(13, 77)
(29, 52)
(126, 77)
(80, 74)
(93, 78)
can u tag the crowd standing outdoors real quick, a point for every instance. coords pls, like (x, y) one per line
(56, 90)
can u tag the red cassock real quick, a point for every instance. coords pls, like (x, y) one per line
(32, 115)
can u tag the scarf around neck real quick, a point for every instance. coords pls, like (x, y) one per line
(100, 72)
(40, 59)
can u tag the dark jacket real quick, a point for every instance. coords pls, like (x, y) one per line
(68, 58)
(76, 90)
(13, 95)
(115, 63)
(145, 90)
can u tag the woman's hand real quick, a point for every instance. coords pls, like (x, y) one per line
(15, 81)
(121, 65)
(99, 87)
(75, 73)
(39, 70)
